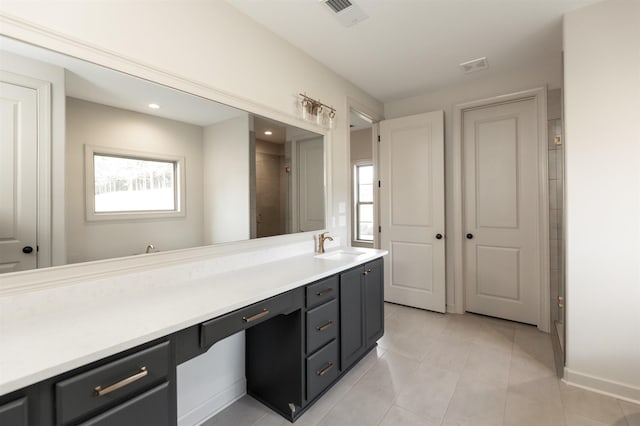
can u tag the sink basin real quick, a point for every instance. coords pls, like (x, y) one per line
(340, 254)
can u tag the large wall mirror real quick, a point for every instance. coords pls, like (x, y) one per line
(137, 167)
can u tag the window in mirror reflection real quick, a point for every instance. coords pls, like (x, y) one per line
(133, 184)
(363, 179)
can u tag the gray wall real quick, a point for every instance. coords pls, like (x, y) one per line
(100, 125)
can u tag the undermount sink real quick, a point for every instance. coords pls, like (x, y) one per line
(340, 254)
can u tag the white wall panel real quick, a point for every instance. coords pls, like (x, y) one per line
(603, 196)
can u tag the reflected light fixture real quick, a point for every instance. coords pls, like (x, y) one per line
(268, 132)
(154, 106)
(317, 112)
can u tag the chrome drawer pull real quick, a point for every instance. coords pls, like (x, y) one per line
(264, 313)
(122, 383)
(324, 292)
(325, 326)
(325, 370)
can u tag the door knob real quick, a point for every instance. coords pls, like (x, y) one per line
(469, 236)
(438, 236)
(27, 249)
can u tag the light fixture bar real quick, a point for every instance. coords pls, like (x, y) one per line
(313, 109)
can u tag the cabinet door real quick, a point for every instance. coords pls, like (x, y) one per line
(352, 342)
(374, 302)
(149, 409)
(14, 413)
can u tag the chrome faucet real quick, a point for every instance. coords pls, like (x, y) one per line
(149, 248)
(321, 240)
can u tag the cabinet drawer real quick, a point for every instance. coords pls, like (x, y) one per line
(322, 325)
(78, 396)
(322, 369)
(217, 329)
(322, 291)
(14, 413)
(149, 409)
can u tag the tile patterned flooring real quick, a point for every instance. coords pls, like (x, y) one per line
(433, 369)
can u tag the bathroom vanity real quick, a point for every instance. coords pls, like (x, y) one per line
(106, 353)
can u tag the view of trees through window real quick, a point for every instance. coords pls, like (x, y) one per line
(364, 201)
(133, 184)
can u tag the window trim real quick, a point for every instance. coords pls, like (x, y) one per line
(354, 189)
(89, 172)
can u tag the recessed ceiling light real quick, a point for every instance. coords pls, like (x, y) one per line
(268, 132)
(154, 106)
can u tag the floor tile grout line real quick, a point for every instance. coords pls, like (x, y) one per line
(506, 395)
(454, 390)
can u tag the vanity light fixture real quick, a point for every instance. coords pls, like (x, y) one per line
(317, 112)
(268, 132)
(154, 106)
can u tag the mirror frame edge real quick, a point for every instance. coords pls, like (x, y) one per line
(51, 276)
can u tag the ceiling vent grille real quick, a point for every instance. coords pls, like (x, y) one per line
(474, 65)
(345, 11)
(338, 5)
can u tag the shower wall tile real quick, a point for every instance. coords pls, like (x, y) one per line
(553, 194)
(554, 104)
(553, 164)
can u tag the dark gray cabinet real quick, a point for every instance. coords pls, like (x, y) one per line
(149, 409)
(374, 302)
(352, 344)
(132, 388)
(361, 311)
(298, 344)
(292, 359)
(109, 385)
(14, 413)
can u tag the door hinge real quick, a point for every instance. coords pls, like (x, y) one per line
(378, 138)
(379, 228)
(379, 184)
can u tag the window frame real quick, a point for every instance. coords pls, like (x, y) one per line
(89, 171)
(357, 203)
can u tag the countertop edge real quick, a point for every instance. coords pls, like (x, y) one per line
(331, 267)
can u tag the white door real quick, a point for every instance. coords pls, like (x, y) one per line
(311, 184)
(18, 177)
(412, 210)
(500, 167)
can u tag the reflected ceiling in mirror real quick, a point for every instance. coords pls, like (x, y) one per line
(237, 175)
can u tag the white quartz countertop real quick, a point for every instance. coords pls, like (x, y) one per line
(48, 332)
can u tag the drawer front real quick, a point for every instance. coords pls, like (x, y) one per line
(149, 409)
(14, 413)
(322, 291)
(217, 329)
(117, 381)
(322, 325)
(322, 369)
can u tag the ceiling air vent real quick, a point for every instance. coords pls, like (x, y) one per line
(474, 65)
(338, 5)
(346, 12)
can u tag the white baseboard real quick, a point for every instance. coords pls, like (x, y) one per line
(214, 405)
(617, 390)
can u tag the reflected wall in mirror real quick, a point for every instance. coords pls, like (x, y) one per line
(240, 175)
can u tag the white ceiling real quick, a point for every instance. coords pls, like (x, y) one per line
(407, 47)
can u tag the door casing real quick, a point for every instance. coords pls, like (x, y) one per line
(374, 117)
(539, 95)
(43, 184)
